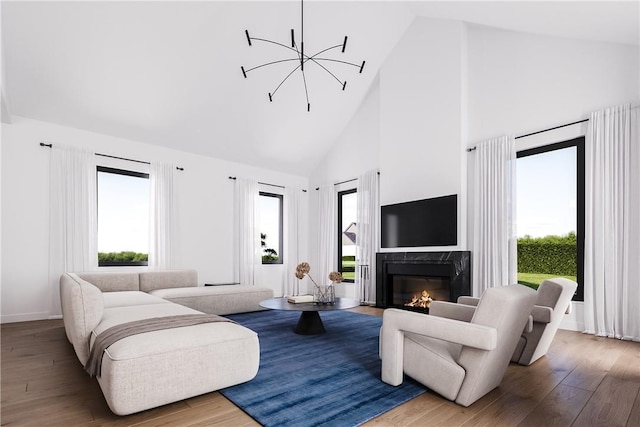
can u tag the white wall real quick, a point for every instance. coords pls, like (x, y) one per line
(413, 126)
(423, 118)
(357, 149)
(205, 211)
(421, 113)
(521, 83)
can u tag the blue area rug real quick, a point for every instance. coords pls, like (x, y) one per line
(312, 380)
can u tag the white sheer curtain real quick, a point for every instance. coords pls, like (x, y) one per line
(612, 224)
(247, 230)
(162, 213)
(367, 235)
(73, 232)
(292, 234)
(494, 237)
(328, 232)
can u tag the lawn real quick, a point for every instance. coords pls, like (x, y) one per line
(348, 268)
(533, 280)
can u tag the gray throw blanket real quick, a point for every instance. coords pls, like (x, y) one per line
(118, 332)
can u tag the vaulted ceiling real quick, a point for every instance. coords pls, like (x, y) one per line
(168, 73)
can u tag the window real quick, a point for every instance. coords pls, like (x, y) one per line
(550, 213)
(347, 206)
(123, 217)
(271, 227)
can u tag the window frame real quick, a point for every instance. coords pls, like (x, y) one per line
(340, 227)
(579, 143)
(125, 172)
(280, 198)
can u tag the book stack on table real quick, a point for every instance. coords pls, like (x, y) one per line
(300, 299)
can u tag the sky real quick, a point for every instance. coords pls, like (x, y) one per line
(123, 213)
(546, 193)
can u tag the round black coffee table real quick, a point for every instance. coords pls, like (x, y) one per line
(309, 322)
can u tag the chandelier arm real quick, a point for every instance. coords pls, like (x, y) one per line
(326, 69)
(298, 53)
(336, 60)
(323, 51)
(284, 80)
(276, 43)
(271, 63)
(306, 91)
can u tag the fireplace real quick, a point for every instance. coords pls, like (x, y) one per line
(411, 280)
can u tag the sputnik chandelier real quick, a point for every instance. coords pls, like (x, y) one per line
(301, 59)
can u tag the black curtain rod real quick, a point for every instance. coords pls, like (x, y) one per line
(343, 182)
(123, 158)
(541, 131)
(42, 144)
(266, 183)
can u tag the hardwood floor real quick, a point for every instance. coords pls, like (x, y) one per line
(583, 381)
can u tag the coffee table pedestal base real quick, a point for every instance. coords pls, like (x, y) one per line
(309, 323)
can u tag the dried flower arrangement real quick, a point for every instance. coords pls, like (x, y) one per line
(303, 269)
(335, 277)
(325, 293)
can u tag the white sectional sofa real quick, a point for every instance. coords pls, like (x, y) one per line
(156, 368)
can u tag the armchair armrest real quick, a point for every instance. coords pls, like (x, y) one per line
(466, 300)
(396, 322)
(452, 310)
(528, 328)
(541, 314)
(456, 331)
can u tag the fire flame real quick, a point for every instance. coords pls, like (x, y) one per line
(420, 301)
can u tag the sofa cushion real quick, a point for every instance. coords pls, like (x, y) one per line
(155, 368)
(160, 367)
(221, 300)
(82, 307)
(116, 315)
(151, 280)
(127, 298)
(112, 282)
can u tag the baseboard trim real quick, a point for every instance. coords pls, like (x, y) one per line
(572, 326)
(575, 320)
(26, 317)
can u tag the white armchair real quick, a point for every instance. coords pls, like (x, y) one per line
(459, 359)
(554, 300)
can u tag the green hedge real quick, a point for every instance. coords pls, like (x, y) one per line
(348, 264)
(548, 255)
(125, 256)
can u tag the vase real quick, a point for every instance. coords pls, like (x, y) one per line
(324, 295)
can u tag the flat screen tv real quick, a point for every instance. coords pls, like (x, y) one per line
(428, 222)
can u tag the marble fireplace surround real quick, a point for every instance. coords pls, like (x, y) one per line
(457, 263)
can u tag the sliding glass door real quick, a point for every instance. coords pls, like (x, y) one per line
(550, 213)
